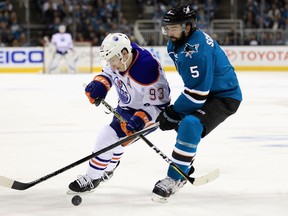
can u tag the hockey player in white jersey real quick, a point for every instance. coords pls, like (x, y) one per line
(64, 49)
(143, 92)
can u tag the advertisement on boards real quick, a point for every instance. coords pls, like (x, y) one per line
(243, 58)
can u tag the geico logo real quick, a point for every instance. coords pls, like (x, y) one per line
(21, 56)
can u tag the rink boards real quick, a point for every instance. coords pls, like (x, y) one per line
(243, 58)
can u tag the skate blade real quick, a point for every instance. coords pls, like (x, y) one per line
(70, 192)
(159, 199)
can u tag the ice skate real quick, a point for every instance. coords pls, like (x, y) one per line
(83, 184)
(166, 187)
(107, 175)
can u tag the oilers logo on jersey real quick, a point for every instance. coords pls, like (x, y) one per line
(122, 90)
(190, 49)
(62, 39)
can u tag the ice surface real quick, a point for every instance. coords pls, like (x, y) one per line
(46, 123)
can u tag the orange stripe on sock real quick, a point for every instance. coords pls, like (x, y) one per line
(99, 164)
(115, 158)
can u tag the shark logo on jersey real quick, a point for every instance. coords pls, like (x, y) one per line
(123, 93)
(170, 12)
(186, 10)
(190, 49)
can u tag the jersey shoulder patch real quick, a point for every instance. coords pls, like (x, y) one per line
(145, 69)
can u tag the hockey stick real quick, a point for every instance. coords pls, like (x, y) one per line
(196, 181)
(13, 184)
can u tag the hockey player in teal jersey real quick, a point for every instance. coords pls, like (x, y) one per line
(211, 93)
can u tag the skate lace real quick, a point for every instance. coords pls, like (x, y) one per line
(85, 181)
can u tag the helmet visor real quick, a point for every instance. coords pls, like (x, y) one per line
(113, 62)
(172, 29)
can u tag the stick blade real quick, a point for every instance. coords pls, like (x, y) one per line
(10, 183)
(207, 178)
(6, 182)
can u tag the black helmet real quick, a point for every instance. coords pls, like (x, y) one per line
(180, 15)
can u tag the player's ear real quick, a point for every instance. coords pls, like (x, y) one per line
(124, 54)
(188, 28)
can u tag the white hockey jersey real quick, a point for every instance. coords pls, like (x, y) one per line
(143, 85)
(62, 41)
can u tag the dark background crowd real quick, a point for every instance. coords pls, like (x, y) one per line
(26, 22)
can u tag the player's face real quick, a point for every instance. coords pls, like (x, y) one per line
(119, 64)
(173, 31)
(114, 63)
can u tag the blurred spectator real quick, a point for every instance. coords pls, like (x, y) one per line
(267, 38)
(232, 38)
(9, 27)
(250, 20)
(210, 8)
(14, 25)
(285, 24)
(6, 5)
(202, 19)
(252, 40)
(49, 9)
(52, 27)
(6, 34)
(274, 15)
(91, 20)
(285, 16)
(279, 40)
(159, 12)
(140, 8)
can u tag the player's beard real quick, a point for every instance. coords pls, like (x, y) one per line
(178, 42)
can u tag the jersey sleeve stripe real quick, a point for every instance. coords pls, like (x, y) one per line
(106, 82)
(196, 96)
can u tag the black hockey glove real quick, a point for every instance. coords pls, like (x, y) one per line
(168, 119)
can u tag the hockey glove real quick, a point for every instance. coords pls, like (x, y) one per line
(136, 122)
(168, 119)
(97, 89)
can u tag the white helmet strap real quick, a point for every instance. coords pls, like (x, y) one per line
(125, 63)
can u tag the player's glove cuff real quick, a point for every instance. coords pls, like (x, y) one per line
(124, 128)
(168, 119)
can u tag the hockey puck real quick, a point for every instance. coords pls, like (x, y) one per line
(76, 200)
